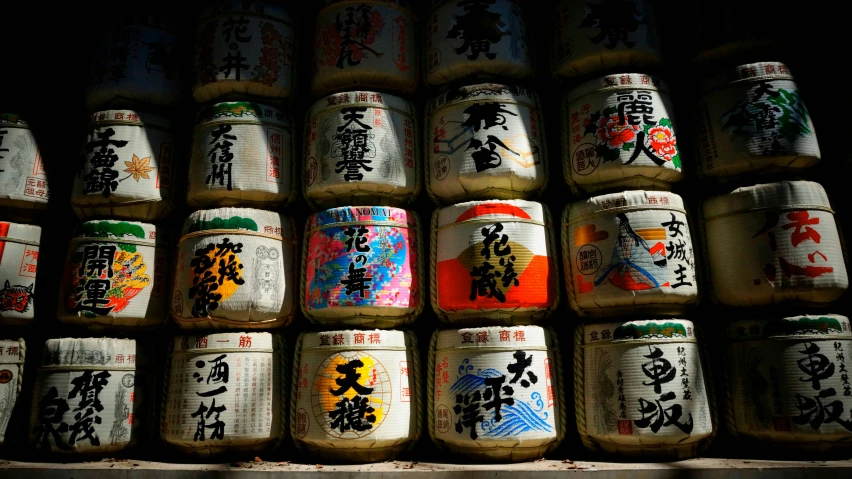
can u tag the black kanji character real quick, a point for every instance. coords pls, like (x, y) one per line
(467, 410)
(355, 414)
(350, 379)
(522, 362)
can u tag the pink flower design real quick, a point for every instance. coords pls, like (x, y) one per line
(614, 134)
(663, 142)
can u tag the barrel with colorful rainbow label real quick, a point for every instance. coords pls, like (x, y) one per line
(12, 356)
(19, 246)
(23, 181)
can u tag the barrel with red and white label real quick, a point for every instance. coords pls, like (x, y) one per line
(18, 265)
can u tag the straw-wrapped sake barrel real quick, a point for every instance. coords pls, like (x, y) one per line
(243, 154)
(477, 38)
(496, 394)
(485, 141)
(18, 264)
(127, 169)
(603, 34)
(116, 274)
(618, 133)
(12, 356)
(225, 393)
(362, 148)
(640, 389)
(356, 395)
(23, 181)
(362, 267)
(243, 48)
(493, 261)
(138, 60)
(236, 268)
(365, 44)
(774, 243)
(753, 119)
(788, 382)
(90, 398)
(629, 252)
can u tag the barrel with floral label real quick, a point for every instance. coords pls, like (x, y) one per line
(18, 264)
(236, 268)
(789, 384)
(753, 119)
(23, 181)
(485, 141)
(361, 148)
(243, 154)
(225, 393)
(362, 267)
(243, 49)
(493, 261)
(629, 253)
(496, 393)
(356, 395)
(618, 133)
(115, 275)
(641, 390)
(12, 356)
(774, 243)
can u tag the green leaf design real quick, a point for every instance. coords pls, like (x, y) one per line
(234, 222)
(628, 146)
(647, 128)
(676, 160)
(665, 122)
(611, 110)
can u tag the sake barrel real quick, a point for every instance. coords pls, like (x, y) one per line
(18, 264)
(365, 44)
(774, 243)
(487, 141)
(210, 409)
(115, 275)
(127, 169)
(629, 253)
(89, 397)
(753, 119)
(137, 61)
(479, 38)
(788, 382)
(362, 267)
(243, 49)
(23, 181)
(243, 154)
(12, 355)
(640, 389)
(361, 148)
(356, 395)
(235, 268)
(618, 133)
(493, 261)
(604, 34)
(495, 393)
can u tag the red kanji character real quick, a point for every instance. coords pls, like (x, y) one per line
(504, 335)
(799, 220)
(359, 338)
(482, 337)
(519, 336)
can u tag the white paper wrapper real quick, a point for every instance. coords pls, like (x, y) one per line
(12, 355)
(18, 265)
(23, 181)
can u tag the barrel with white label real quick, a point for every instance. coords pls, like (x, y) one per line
(485, 141)
(116, 275)
(23, 181)
(496, 393)
(127, 169)
(774, 243)
(362, 148)
(753, 119)
(493, 261)
(365, 44)
(788, 382)
(244, 49)
(641, 389)
(618, 133)
(12, 356)
(629, 253)
(243, 155)
(236, 268)
(225, 393)
(18, 266)
(356, 395)
(362, 266)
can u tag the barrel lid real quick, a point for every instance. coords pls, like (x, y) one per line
(491, 92)
(12, 350)
(522, 211)
(13, 119)
(241, 219)
(97, 352)
(376, 215)
(245, 340)
(356, 339)
(241, 112)
(750, 72)
(654, 329)
(634, 200)
(21, 232)
(780, 195)
(810, 326)
(130, 118)
(369, 99)
(616, 82)
(247, 7)
(118, 231)
(495, 337)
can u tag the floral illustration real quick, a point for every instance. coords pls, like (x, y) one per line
(614, 132)
(663, 142)
(138, 168)
(272, 55)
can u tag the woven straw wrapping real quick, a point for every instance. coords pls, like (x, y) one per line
(12, 357)
(753, 119)
(386, 243)
(127, 172)
(622, 368)
(23, 181)
(334, 172)
(618, 133)
(629, 253)
(257, 289)
(243, 155)
(463, 258)
(774, 243)
(19, 245)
